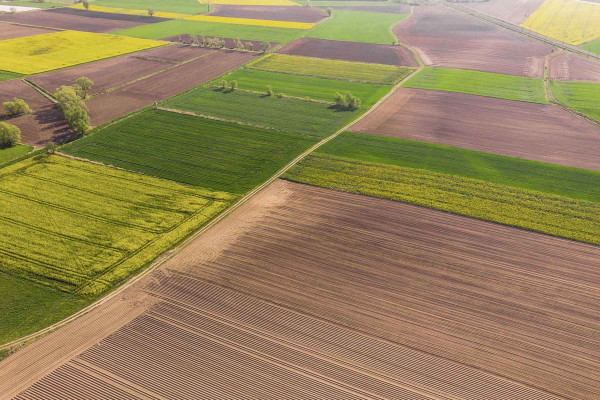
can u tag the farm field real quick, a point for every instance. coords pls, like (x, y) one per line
(570, 21)
(10, 31)
(581, 96)
(538, 132)
(251, 21)
(286, 3)
(571, 67)
(513, 11)
(276, 13)
(213, 154)
(332, 69)
(478, 83)
(450, 39)
(350, 51)
(593, 47)
(7, 76)
(285, 114)
(11, 153)
(172, 6)
(355, 26)
(180, 27)
(304, 86)
(120, 14)
(51, 51)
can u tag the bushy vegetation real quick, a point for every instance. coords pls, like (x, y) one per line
(580, 96)
(332, 69)
(16, 107)
(10, 135)
(193, 150)
(73, 108)
(347, 101)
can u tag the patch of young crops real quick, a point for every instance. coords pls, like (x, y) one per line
(527, 209)
(198, 151)
(7, 76)
(127, 11)
(172, 6)
(11, 153)
(82, 228)
(332, 69)
(480, 83)
(285, 114)
(580, 96)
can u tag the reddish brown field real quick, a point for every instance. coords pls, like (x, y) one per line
(448, 38)
(175, 53)
(350, 51)
(113, 72)
(396, 9)
(294, 14)
(513, 11)
(18, 88)
(141, 19)
(49, 19)
(10, 31)
(107, 107)
(533, 131)
(571, 67)
(270, 304)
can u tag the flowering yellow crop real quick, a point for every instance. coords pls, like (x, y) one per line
(158, 14)
(248, 21)
(40, 53)
(251, 2)
(570, 21)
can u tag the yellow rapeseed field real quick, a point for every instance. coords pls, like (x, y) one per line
(251, 2)
(570, 21)
(248, 21)
(158, 14)
(40, 53)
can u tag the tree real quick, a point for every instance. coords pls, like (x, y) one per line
(86, 4)
(74, 109)
(270, 91)
(150, 12)
(10, 135)
(308, 3)
(223, 84)
(329, 11)
(83, 86)
(233, 86)
(265, 46)
(16, 107)
(239, 45)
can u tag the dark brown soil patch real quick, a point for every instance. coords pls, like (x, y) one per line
(513, 11)
(533, 131)
(10, 31)
(571, 67)
(380, 9)
(113, 16)
(294, 14)
(174, 53)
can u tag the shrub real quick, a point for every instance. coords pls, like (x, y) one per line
(86, 4)
(270, 91)
(150, 12)
(10, 135)
(16, 107)
(329, 11)
(224, 84)
(233, 85)
(347, 101)
(74, 109)
(265, 46)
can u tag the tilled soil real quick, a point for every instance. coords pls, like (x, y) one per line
(448, 38)
(395, 9)
(571, 67)
(293, 14)
(10, 31)
(412, 304)
(513, 11)
(526, 130)
(351, 51)
(141, 19)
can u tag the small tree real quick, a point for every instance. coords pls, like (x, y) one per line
(223, 84)
(16, 107)
(340, 100)
(347, 101)
(329, 11)
(83, 86)
(270, 91)
(239, 45)
(265, 46)
(233, 85)
(194, 40)
(51, 148)
(150, 12)
(86, 4)
(249, 46)
(10, 135)
(308, 3)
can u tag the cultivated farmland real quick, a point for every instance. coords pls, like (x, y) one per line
(40, 53)
(286, 3)
(172, 6)
(593, 47)
(480, 83)
(276, 13)
(332, 69)
(581, 96)
(513, 11)
(10, 31)
(212, 154)
(13, 152)
(571, 67)
(253, 22)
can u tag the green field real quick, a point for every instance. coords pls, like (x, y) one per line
(478, 83)
(212, 154)
(83, 228)
(304, 86)
(7, 76)
(175, 27)
(27, 307)
(532, 175)
(580, 96)
(332, 69)
(592, 47)
(13, 152)
(355, 26)
(45, 4)
(527, 209)
(285, 114)
(174, 6)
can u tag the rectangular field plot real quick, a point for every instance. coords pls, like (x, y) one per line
(172, 6)
(212, 154)
(332, 69)
(580, 96)
(284, 114)
(83, 228)
(7, 76)
(252, 21)
(487, 84)
(50, 51)
(305, 86)
(13, 152)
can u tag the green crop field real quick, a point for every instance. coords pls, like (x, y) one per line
(304, 86)
(592, 47)
(45, 4)
(554, 179)
(212, 154)
(480, 83)
(332, 69)
(285, 114)
(83, 228)
(527, 209)
(11, 153)
(7, 76)
(175, 27)
(580, 96)
(174, 6)
(355, 26)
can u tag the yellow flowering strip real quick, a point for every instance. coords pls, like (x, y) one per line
(158, 14)
(248, 21)
(252, 2)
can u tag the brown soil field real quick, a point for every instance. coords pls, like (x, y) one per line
(517, 129)
(107, 107)
(17, 88)
(513, 11)
(270, 304)
(114, 72)
(275, 13)
(571, 67)
(448, 38)
(141, 19)
(10, 31)
(351, 51)
(396, 9)
(50, 19)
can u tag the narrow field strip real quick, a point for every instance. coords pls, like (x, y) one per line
(186, 7)
(7, 76)
(252, 2)
(478, 83)
(157, 14)
(249, 21)
(580, 96)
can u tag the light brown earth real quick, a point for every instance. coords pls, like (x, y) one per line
(396, 9)
(517, 129)
(413, 304)
(274, 13)
(107, 107)
(351, 51)
(448, 38)
(513, 11)
(10, 31)
(571, 67)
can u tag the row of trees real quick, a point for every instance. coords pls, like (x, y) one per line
(219, 43)
(10, 135)
(71, 101)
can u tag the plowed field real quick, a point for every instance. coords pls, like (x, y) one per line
(513, 11)
(526, 130)
(275, 13)
(571, 67)
(10, 31)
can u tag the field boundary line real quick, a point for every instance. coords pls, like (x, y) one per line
(40, 90)
(169, 254)
(33, 26)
